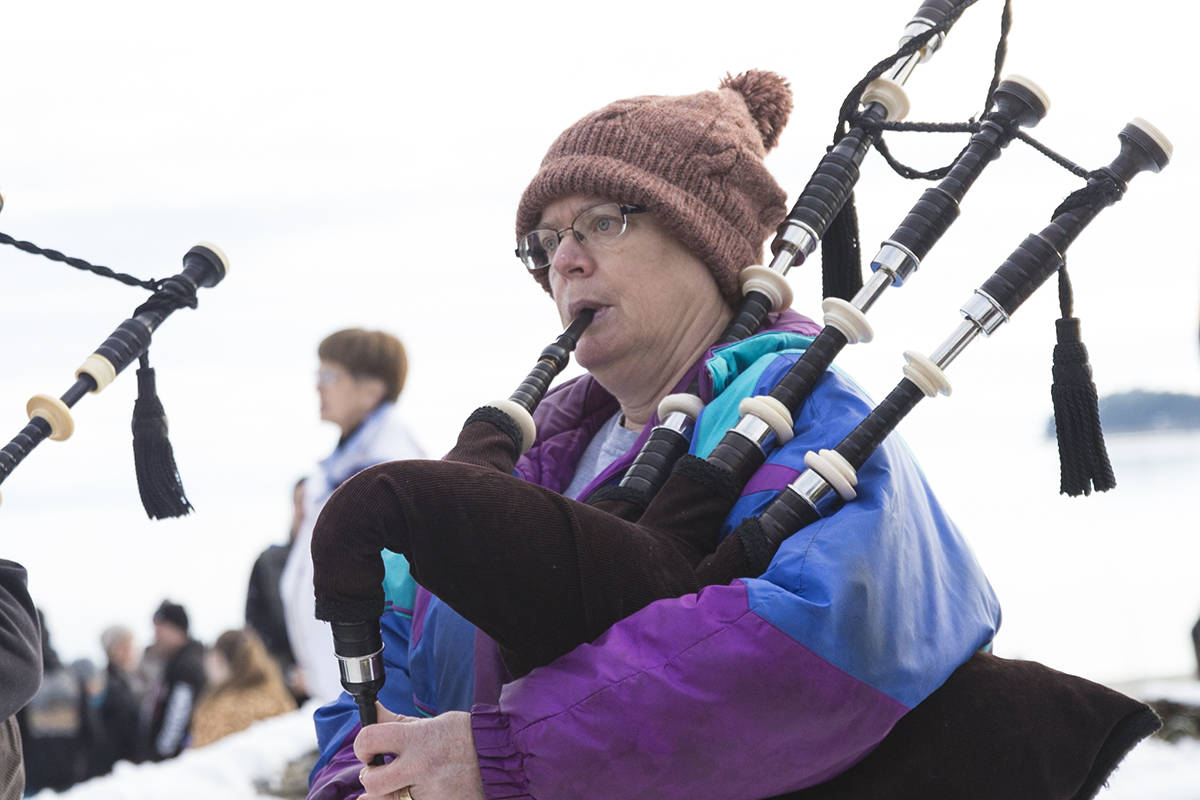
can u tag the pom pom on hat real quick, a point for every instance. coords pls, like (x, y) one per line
(768, 98)
(172, 613)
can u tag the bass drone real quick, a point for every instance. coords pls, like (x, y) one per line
(204, 265)
(496, 435)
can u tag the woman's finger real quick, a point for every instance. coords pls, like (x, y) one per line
(385, 781)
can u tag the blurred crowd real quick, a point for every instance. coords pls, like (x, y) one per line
(148, 704)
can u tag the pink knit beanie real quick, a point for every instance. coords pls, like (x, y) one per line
(695, 162)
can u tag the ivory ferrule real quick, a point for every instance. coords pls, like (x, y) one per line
(816, 491)
(361, 669)
(521, 418)
(772, 411)
(100, 369)
(847, 318)
(926, 375)
(835, 470)
(55, 413)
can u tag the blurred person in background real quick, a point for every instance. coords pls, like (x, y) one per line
(1196, 645)
(359, 379)
(54, 725)
(20, 670)
(91, 682)
(173, 697)
(264, 603)
(119, 700)
(245, 686)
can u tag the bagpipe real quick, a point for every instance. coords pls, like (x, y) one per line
(483, 540)
(159, 485)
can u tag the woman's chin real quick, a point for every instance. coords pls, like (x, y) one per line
(600, 356)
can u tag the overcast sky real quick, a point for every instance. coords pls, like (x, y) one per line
(360, 165)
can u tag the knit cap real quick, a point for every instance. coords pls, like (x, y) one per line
(694, 161)
(172, 613)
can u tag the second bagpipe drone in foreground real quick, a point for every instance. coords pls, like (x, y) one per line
(204, 266)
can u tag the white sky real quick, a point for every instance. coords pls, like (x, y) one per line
(360, 165)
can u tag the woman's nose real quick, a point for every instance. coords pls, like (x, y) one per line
(572, 258)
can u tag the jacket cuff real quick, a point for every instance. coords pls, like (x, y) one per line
(501, 766)
(338, 779)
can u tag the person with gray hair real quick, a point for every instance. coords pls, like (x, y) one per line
(119, 701)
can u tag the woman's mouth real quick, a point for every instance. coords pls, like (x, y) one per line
(597, 310)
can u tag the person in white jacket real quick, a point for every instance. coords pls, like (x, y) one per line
(360, 377)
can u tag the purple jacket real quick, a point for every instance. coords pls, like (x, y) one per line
(756, 688)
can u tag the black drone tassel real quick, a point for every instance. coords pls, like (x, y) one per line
(157, 476)
(1081, 452)
(841, 261)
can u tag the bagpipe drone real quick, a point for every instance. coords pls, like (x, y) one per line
(159, 486)
(465, 522)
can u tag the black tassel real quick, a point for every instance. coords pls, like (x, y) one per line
(1082, 456)
(841, 261)
(157, 476)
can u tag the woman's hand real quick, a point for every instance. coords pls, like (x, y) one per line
(433, 758)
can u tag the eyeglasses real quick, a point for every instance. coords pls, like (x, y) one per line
(602, 224)
(327, 376)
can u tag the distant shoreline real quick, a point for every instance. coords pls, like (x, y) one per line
(1140, 411)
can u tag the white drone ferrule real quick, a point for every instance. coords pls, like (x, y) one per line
(848, 319)
(835, 470)
(678, 412)
(888, 94)
(521, 418)
(99, 369)
(771, 411)
(682, 403)
(774, 285)
(56, 414)
(218, 252)
(927, 376)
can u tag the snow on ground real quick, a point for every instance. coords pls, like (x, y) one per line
(234, 768)
(1158, 770)
(229, 769)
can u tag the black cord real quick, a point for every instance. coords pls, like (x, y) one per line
(78, 263)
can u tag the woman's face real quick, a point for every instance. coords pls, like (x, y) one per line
(124, 655)
(346, 400)
(649, 292)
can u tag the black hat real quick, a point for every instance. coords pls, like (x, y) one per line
(172, 613)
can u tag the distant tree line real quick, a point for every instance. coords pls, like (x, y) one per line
(1138, 410)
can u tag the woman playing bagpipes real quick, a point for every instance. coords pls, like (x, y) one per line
(746, 690)
(846, 668)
